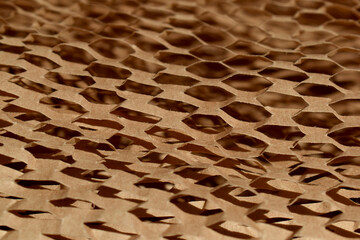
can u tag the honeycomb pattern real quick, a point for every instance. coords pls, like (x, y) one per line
(177, 119)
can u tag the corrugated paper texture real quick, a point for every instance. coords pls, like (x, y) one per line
(165, 119)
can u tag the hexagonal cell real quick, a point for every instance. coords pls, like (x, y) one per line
(180, 40)
(348, 166)
(286, 28)
(248, 33)
(248, 62)
(172, 105)
(241, 143)
(39, 61)
(74, 34)
(112, 48)
(146, 43)
(342, 12)
(77, 81)
(118, 18)
(347, 107)
(135, 115)
(207, 123)
(186, 23)
(176, 58)
(280, 43)
(57, 131)
(287, 133)
(209, 93)
(282, 10)
(74, 54)
(58, 103)
(347, 41)
(253, 16)
(116, 31)
(312, 19)
(210, 52)
(284, 74)
(30, 85)
(108, 71)
(279, 100)
(167, 78)
(316, 90)
(343, 27)
(349, 58)
(317, 119)
(313, 36)
(101, 96)
(347, 136)
(143, 65)
(322, 48)
(209, 70)
(345, 227)
(140, 88)
(213, 35)
(311, 4)
(318, 66)
(250, 83)
(347, 79)
(246, 112)
(247, 48)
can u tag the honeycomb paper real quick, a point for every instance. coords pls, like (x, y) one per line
(165, 119)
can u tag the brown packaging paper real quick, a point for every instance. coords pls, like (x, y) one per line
(175, 119)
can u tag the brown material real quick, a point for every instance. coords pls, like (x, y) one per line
(176, 119)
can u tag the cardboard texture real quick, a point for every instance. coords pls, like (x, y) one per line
(164, 119)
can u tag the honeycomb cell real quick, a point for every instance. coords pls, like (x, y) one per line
(241, 143)
(317, 119)
(246, 112)
(176, 58)
(250, 83)
(116, 31)
(347, 107)
(281, 9)
(318, 66)
(316, 90)
(143, 65)
(280, 43)
(349, 58)
(74, 54)
(347, 136)
(76, 81)
(146, 43)
(101, 96)
(209, 124)
(209, 93)
(209, 70)
(211, 52)
(107, 71)
(213, 35)
(136, 87)
(110, 48)
(322, 48)
(312, 19)
(341, 12)
(167, 78)
(243, 62)
(173, 105)
(347, 79)
(41, 62)
(284, 74)
(343, 27)
(180, 40)
(279, 100)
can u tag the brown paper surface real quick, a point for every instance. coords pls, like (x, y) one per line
(165, 119)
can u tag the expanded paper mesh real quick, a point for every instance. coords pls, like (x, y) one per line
(202, 119)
